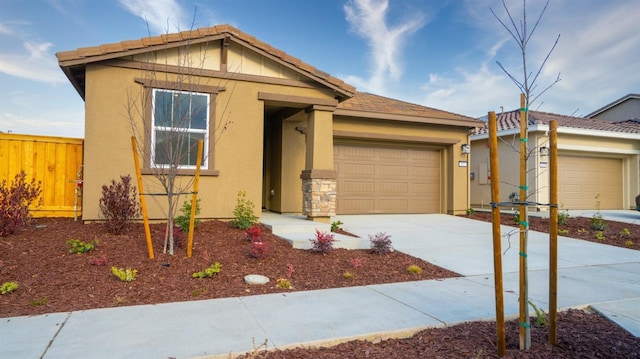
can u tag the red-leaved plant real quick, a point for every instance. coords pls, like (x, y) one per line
(323, 243)
(15, 200)
(380, 243)
(259, 248)
(98, 261)
(119, 204)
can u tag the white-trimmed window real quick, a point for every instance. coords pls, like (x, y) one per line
(179, 120)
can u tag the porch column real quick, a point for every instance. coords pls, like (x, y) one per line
(319, 177)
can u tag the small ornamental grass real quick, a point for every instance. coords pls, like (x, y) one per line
(380, 243)
(323, 243)
(209, 272)
(8, 287)
(414, 269)
(125, 275)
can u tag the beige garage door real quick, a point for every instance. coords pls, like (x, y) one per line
(380, 179)
(582, 178)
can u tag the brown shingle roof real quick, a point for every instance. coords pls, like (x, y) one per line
(72, 62)
(511, 120)
(368, 105)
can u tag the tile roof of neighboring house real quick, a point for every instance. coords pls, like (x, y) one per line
(511, 120)
(612, 104)
(73, 62)
(367, 105)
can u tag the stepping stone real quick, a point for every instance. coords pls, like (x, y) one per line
(256, 279)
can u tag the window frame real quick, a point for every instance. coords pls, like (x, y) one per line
(177, 129)
(209, 151)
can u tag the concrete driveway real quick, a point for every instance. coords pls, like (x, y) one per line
(605, 277)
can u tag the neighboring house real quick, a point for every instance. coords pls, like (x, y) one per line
(622, 109)
(296, 139)
(594, 158)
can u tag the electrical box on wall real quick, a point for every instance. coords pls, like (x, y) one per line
(472, 176)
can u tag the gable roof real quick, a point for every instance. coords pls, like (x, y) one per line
(511, 121)
(367, 105)
(74, 62)
(613, 104)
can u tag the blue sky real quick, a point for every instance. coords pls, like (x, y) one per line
(440, 54)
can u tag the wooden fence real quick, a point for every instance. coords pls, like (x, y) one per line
(54, 161)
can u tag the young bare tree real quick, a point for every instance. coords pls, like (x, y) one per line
(172, 93)
(527, 84)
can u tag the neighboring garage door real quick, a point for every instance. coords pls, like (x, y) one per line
(580, 179)
(381, 179)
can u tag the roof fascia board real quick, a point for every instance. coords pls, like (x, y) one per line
(305, 100)
(142, 50)
(407, 118)
(598, 149)
(566, 130)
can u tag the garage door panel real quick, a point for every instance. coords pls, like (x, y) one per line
(351, 169)
(393, 180)
(582, 178)
(358, 187)
(392, 171)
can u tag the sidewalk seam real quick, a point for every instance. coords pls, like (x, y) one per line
(55, 335)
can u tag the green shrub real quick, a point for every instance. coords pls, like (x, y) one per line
(414, 269)
(182, 221)
(335, 226)
(15, 200)
(563, 217)
(78, 246)
(243, 214)
(119, 205)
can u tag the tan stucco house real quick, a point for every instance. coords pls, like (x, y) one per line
(625, 108)
(595, 157)
(296, 139)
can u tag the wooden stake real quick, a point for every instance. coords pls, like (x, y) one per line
(524, 322)
(194, 199)
(495, 222)
(143, 203)
(553, 233)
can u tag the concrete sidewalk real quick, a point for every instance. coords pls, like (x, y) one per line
(605, 277)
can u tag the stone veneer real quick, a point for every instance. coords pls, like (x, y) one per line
(319, 197)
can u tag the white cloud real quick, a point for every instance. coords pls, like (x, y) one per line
(62, 124)
(472, 92)
(162, 16)
(368, 20)
(5, 30)
(596, 56)
(37, 64)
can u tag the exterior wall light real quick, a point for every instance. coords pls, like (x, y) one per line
(544, 151)
(466, 149)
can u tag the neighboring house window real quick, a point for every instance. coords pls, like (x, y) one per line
(179, 120)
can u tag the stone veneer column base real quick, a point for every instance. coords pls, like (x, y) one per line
(319, 194)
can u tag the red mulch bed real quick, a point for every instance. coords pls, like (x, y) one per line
(52, 280)
(580, 228)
